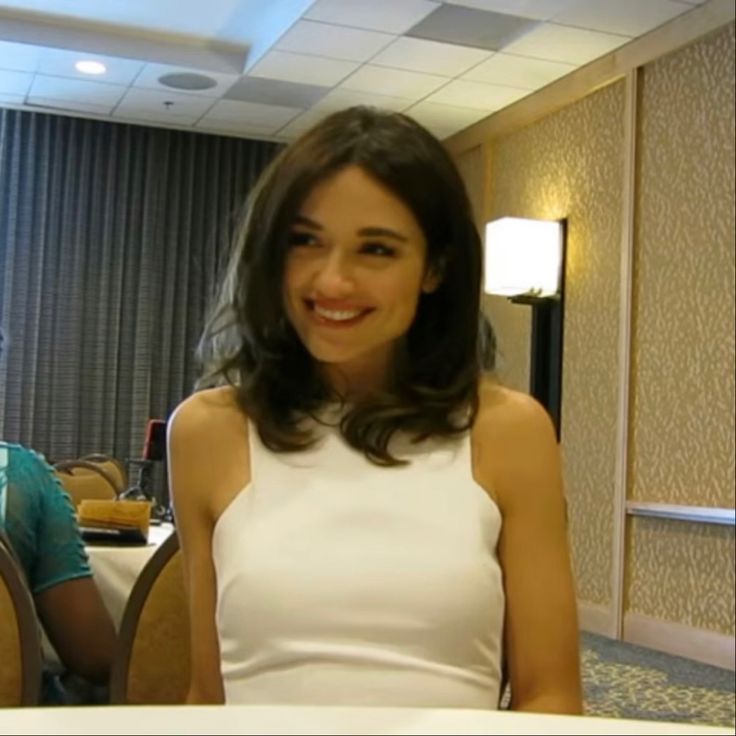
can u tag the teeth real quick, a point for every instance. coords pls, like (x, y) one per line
(337, 315)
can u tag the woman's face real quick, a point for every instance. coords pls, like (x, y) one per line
(353, 275)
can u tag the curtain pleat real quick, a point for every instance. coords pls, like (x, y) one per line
(112, 238)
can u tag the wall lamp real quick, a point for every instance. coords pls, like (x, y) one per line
(525, 262)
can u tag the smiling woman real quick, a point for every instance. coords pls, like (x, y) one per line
(385, 524)
(352, 277)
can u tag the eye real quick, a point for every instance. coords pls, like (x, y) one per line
(377, 249)
(300, 238)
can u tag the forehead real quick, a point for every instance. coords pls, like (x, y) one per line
(353, 193)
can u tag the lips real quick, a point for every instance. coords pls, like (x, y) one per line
(333, 313)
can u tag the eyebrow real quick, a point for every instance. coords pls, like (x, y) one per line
(371, 232)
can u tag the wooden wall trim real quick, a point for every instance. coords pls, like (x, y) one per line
(710, 647)
(625, 339)
(596, 619)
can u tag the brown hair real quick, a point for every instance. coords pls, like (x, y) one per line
(249, 342)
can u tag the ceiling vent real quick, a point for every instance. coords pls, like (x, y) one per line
(187, 81)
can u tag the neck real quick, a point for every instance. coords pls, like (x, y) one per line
(353, 382)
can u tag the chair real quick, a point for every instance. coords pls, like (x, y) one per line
(20, 641)
(91, 477)
(152, 662)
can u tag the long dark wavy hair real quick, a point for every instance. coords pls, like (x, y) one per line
(249, 342)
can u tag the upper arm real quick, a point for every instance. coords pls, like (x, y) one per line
(196, 445)
(541, 631)
(67, 600)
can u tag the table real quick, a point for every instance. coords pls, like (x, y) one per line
(264, 720)
(116, 568)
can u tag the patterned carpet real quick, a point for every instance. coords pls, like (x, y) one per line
(626, 681)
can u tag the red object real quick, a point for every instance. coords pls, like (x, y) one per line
(154, 447)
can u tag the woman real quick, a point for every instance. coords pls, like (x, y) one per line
(365, 518)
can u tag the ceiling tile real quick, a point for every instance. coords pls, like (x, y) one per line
(445, 116)
(151, 73)
(302, 68)
(444, 130)
(340, 98)
(626, 17)
(154, 101)
(168, 16)
(276, 92)
(146, 116)
(76, 90)
(476, 95)
(11, 99)
(470, 27)
(251, 114)
(241, 128)
(536, 9)
(19, 57)
(302, 123)
(60, 63)
(15, 83)
(432, 57)
(391, 16)
(335, 42)
(562, 43)
(54, 103)
(518, 71)
(393, 82)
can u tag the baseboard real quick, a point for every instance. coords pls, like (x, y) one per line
(701, 645)
(596, 619)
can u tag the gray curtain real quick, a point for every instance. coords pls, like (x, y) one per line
(112, 238)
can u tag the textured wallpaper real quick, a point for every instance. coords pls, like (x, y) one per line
(511, 323)
(570, 164)
(682, 438)
(682, 445)
(470, 165)
(682, 572)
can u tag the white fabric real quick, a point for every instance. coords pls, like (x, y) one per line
(344, 583)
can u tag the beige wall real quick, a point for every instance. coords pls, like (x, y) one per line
(682, 420)
(511, 323)
(571, 164)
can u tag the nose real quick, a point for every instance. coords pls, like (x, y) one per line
(334, 275)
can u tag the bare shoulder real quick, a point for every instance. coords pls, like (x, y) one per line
(208, 447)
(204, 410)
(515, 441)
(506, 415)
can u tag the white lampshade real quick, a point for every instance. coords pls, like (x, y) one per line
(523, 257)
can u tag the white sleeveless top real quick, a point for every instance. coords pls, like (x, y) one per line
(340, 582)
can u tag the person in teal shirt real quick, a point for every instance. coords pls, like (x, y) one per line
(37, 517)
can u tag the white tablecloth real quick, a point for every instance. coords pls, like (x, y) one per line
(116, 568)
(319, 720)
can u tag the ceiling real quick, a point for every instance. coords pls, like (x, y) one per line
(275, 67)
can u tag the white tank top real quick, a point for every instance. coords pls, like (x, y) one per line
(343, 583)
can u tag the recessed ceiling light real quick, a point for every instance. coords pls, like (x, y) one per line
(90, 67)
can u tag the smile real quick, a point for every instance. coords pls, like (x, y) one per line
(345, 317)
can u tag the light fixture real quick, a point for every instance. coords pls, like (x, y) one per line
(90, 67)
(525, 262)
(523, 257)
